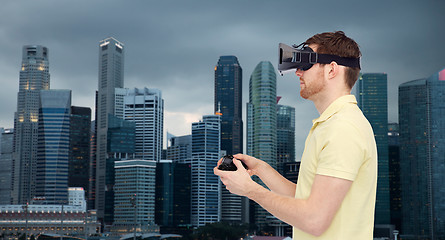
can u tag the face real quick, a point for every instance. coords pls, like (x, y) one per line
(312, 80)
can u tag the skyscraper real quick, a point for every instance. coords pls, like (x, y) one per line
(285, 136)
(180, 149)
(422, 151)
(79, 158)
(135, 179)
(205, 184)
(111, 76)
(34, 76)
(173, 181)
(372, 99)
(120, 146)
(228, 102)
(6, 142)
(145, 107)
(53, 144)
(262, 122)
(394, 174)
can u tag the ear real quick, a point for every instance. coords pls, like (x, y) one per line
(332, 70)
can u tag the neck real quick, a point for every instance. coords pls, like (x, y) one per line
(322, 102)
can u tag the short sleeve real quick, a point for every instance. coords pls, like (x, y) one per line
(342, 152)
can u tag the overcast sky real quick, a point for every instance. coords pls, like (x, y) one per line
(175, 45)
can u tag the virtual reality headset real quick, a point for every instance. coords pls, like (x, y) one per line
(290, 59)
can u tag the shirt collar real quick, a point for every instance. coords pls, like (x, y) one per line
(335, 107)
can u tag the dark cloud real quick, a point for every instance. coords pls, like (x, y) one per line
(174, 45)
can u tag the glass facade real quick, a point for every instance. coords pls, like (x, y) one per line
(394, 174)
(173, 193)
(34, 76)
(422, 162)
(6, 163)
(120, 145)
(53, 146)
(205, 184)
(262, 123)
(372, 99)
(285, 136)
(228, 101)
(135, 179)
(79, 154)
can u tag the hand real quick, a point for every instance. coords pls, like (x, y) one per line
(237, 182)
(252, 163)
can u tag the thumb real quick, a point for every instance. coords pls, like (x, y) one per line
(238, 164)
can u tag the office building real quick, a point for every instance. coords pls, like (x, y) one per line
(394, 175)
(34, 76)
(285, 136)
(180, 149)
(145, 107)
(79, 152)
(120, 146)
(173, 188)
(134, 194)
(372, 99)
(228, 102)
(262, 124)
(422, 162)
(111, 76)
(53, 144)
(205, 184)
(6, 151)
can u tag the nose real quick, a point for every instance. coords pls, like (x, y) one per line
(299, 72)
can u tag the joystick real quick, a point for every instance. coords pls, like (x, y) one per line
(228, 165)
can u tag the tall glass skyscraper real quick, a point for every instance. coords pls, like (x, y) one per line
(53, 144)
(173, 194)
(79, 158)
(145, 107)
(394, 174)
(422, 151)
(285, 136)
(34, 76)
(6, 151)
(262, 123)
(228, 102)
(205, 184)
(372, 98)
(111, 76)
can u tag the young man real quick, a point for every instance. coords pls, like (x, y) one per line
(336, 190)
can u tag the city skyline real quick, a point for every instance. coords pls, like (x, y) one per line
(159, 54)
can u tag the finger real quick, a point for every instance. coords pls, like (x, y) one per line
(238, 164)
(219, 162)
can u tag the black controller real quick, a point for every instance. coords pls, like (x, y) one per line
(228, 165)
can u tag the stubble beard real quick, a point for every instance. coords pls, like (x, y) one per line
(308, 90)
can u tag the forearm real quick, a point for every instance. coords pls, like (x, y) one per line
(275, 181)
(296, 212)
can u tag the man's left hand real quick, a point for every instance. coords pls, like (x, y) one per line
(237, 182)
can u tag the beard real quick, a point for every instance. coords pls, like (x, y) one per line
(311, 88)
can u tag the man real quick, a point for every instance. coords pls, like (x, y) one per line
(334, 197)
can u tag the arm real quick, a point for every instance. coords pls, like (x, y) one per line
(313, 215)
(273, 180)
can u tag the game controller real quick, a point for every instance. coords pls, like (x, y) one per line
(228, 165)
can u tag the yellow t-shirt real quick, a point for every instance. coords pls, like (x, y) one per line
(341, 144)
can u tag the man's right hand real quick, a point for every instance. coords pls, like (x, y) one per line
(252, 163)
